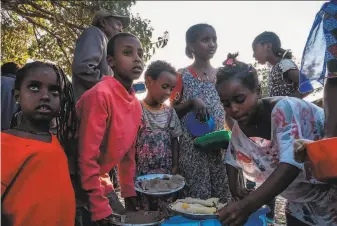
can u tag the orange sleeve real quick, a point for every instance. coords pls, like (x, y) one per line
(42, 193)
(177, 92)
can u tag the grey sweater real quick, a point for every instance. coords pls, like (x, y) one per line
(90, 63)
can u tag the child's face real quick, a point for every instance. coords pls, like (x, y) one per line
(206, 44)
(39, 94)
(239, 102)
(127, 61)
(161, 88)
(260, 53)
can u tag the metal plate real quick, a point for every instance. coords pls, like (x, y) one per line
(153, 176)
(147, 224)
(193, 216)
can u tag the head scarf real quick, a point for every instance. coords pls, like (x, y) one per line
(319, 59)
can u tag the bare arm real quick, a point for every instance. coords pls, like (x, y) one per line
(184, 108)
(276, 183)
(293, 77)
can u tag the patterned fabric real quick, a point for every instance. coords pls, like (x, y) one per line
(292, 118)
(277, 85)
(205, 172)
(154, 141)
(154, 149)
(321, 48)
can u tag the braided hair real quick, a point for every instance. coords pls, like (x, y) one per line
(66, 119)
(192, 35)
(234, 69)
(270, 37)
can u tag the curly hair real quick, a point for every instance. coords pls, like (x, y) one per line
(155, 68)
(234, 69)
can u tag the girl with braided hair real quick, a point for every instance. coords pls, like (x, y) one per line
(35, 182)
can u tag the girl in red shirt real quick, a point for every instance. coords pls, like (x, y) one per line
(35, 183)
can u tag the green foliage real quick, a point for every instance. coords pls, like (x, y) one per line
(263, 73)
(48, 29)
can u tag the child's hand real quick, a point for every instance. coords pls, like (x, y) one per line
(104, 222)
(300, 152)
(131, 204)
(235, 213)
(200, 109)
(115, 204)
(240, 193)
(175, 170)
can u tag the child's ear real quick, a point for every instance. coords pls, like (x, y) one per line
(111, 62)
(16, 95)
(148, 81)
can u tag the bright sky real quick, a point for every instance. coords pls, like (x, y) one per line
(237, 23)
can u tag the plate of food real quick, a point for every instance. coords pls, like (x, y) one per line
(140, 218)
(159, 184)
(196, 209)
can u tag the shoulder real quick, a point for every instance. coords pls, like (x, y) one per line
(92, 31)
(286, 65)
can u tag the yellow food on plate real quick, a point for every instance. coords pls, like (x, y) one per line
(193, 208)
(197, 206)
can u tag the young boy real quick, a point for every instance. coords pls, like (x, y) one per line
(110, 116)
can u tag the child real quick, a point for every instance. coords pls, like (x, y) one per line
(205, 172)
(35, 183)
(263, 132)
(157, 143)
(283, 77)
(110, 116)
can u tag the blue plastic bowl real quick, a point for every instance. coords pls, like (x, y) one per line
(256, 219)
(197, 128)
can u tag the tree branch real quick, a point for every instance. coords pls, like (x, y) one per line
(51, 17)
(58, 39)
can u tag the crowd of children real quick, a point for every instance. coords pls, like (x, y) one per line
(57, 156)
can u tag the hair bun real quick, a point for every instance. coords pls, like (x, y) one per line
(231, 59)
(232, 55)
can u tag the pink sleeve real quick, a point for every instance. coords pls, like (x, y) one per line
(93, 114)
(127, 172)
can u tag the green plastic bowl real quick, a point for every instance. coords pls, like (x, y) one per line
(213, 141)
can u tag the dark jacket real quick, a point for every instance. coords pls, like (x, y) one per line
(90, 64)
(8, 104)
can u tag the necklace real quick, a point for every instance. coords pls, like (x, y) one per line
(33, 132)
(205, 76)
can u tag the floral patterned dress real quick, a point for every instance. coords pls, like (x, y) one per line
(277, 85)
(308, 199)
(205, 172)
(154, 146)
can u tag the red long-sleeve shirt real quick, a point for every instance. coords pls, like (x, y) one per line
(109, 121)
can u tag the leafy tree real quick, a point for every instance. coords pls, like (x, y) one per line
(48, 29)
(263, 73)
